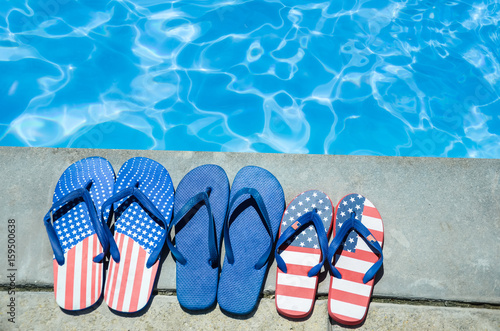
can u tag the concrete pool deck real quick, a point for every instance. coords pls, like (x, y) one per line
(441, 238)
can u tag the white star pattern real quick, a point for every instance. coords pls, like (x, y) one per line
(155, 182)
(310, 201)
(346, 209)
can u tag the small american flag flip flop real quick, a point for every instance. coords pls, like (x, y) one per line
(143, 200)
(357, 246)
(76, 233)
(301, 252)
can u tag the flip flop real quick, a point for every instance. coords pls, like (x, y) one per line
(142, 201)
(255, 209)
(301, 251)
(357, 247)
(76, 234)
(200, 208)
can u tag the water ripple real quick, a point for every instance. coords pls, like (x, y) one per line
(410, 78)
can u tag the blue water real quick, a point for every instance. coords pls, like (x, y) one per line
(408, 78)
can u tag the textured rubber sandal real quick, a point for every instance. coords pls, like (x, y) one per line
(76, 234)
(200, 208)
(301, 251)
(255, 209)
(142, 202)
(357, 248)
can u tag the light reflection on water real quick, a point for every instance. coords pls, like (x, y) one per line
(412, 78)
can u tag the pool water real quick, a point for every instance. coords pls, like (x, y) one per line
(397, 78)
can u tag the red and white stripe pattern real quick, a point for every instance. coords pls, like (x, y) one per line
(78, 283)
(129, 283)
(295, 290)
(348, 298)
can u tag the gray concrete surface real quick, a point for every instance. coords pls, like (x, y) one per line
(38, 311)
(440, 215)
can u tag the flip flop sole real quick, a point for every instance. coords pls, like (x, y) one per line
(349, 297)
(295, 290)
(78, 282)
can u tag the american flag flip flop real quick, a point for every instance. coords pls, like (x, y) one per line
(76, 234)
(143, 200)
(301, 251)
(357, 246)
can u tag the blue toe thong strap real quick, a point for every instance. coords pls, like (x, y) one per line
(212, 237)
(353, 224)
(303, 221)
(148, 206)
(267, 223)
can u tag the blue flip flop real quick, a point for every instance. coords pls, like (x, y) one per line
(76, 234)
(142, 201)
(255, 209)
(200, 208)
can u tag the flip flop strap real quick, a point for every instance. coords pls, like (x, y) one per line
(353, 224)
(212, 238)
(146, 205)
(87, 199)
(267, 223)
(297, 227)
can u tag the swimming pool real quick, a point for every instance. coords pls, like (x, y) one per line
(402, 78)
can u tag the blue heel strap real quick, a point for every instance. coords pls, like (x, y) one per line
(302, 222)
(267, 223)
(212, 239)
(353, 224)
